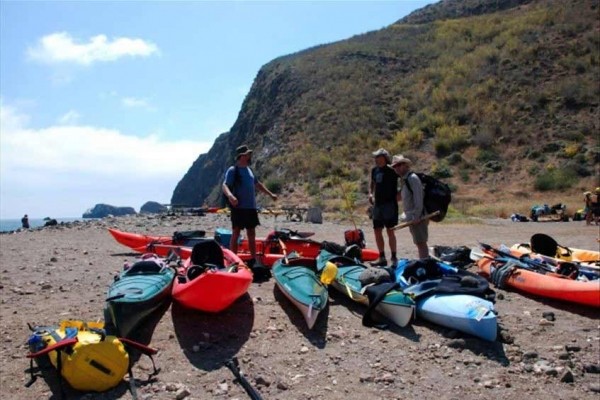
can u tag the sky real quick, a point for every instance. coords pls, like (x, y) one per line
(112, 102)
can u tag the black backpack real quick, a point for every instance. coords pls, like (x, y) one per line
(436, 195)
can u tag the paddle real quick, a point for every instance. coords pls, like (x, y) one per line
(524, 262)
(409, 223)
(233, 365)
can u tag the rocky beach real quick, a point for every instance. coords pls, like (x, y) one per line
(547, 349)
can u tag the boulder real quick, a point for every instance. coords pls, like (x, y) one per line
(314, 215)
(152, 207)
(104, 210)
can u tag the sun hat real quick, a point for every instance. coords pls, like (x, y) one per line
(242, 151)
(399, 159)
(382, 152)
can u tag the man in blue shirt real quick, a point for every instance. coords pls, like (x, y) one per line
(239, 188)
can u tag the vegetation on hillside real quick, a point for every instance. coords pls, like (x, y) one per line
(485, 100)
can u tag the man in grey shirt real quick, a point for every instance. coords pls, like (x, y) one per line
(412, 201)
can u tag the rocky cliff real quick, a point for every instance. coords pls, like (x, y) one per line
(482, 93)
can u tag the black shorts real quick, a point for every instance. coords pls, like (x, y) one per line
(244, 218)
(385, 215)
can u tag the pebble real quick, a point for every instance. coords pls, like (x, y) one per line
(549, 315)
(366, 378)
(171, 387)
(262, 381)
(567, 376)
(385, 378)
(182, 394)
(224, 387)
(592, 368)
(304, 350)
(281, 385)
(574, 348)
(595, 387)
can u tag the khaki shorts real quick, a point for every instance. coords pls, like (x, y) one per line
(420, 232)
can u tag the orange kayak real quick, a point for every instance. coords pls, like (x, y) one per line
(211, 279)
(549, 284)
(268, 249)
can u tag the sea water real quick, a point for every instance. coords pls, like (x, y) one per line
(7, 225)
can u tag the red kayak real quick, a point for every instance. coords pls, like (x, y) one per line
(211, 279)
(268, 249)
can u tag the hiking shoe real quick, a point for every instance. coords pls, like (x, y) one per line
(260, 273)
(380, 262)
(393, 262)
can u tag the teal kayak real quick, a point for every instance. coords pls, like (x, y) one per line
(137, 292)
(301, 285)
(396, 306)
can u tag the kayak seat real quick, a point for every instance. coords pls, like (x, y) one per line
(302, 261)
(207, 251)
(144, 267)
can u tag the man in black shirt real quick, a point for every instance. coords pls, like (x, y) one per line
(383, 194)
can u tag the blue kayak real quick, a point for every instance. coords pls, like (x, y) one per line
(464, 312)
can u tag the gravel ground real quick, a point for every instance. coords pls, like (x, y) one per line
(63, 272)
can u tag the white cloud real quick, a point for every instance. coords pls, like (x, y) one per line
(63, 170)
(133, 102)
(70, 118)
(62, 48)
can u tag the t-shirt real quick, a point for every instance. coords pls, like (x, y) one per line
(412, 198)
(386, 184)
(244, 186)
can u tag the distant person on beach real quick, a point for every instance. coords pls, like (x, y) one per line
(383, 195)
(25, 222)
(412, 200)
(239, 188)
(595, 206)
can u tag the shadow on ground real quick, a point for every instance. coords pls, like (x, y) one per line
(358, 309)
(209, 340)
(318, 334)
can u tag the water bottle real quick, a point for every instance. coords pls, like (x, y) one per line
(329, 273)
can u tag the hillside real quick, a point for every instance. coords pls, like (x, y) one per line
(499, 98)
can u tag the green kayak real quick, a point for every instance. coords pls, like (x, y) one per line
(137, 292)
(301, 285)
(395, 306)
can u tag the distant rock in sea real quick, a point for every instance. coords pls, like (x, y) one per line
(104, 210)
(152, 207)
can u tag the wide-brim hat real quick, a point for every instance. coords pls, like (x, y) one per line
(382, 153)
(400, 159)
(242, 151)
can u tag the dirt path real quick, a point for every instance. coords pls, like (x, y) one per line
(53, 274)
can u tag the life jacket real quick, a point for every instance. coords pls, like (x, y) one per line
(84, 355)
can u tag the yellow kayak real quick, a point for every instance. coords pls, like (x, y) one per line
(565, 253)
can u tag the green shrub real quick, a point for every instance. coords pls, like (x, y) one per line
(556, 179)
(450, 138)
(454, 158)
(464, 175)
(274, 185)
(441, 170)
(485, 155)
